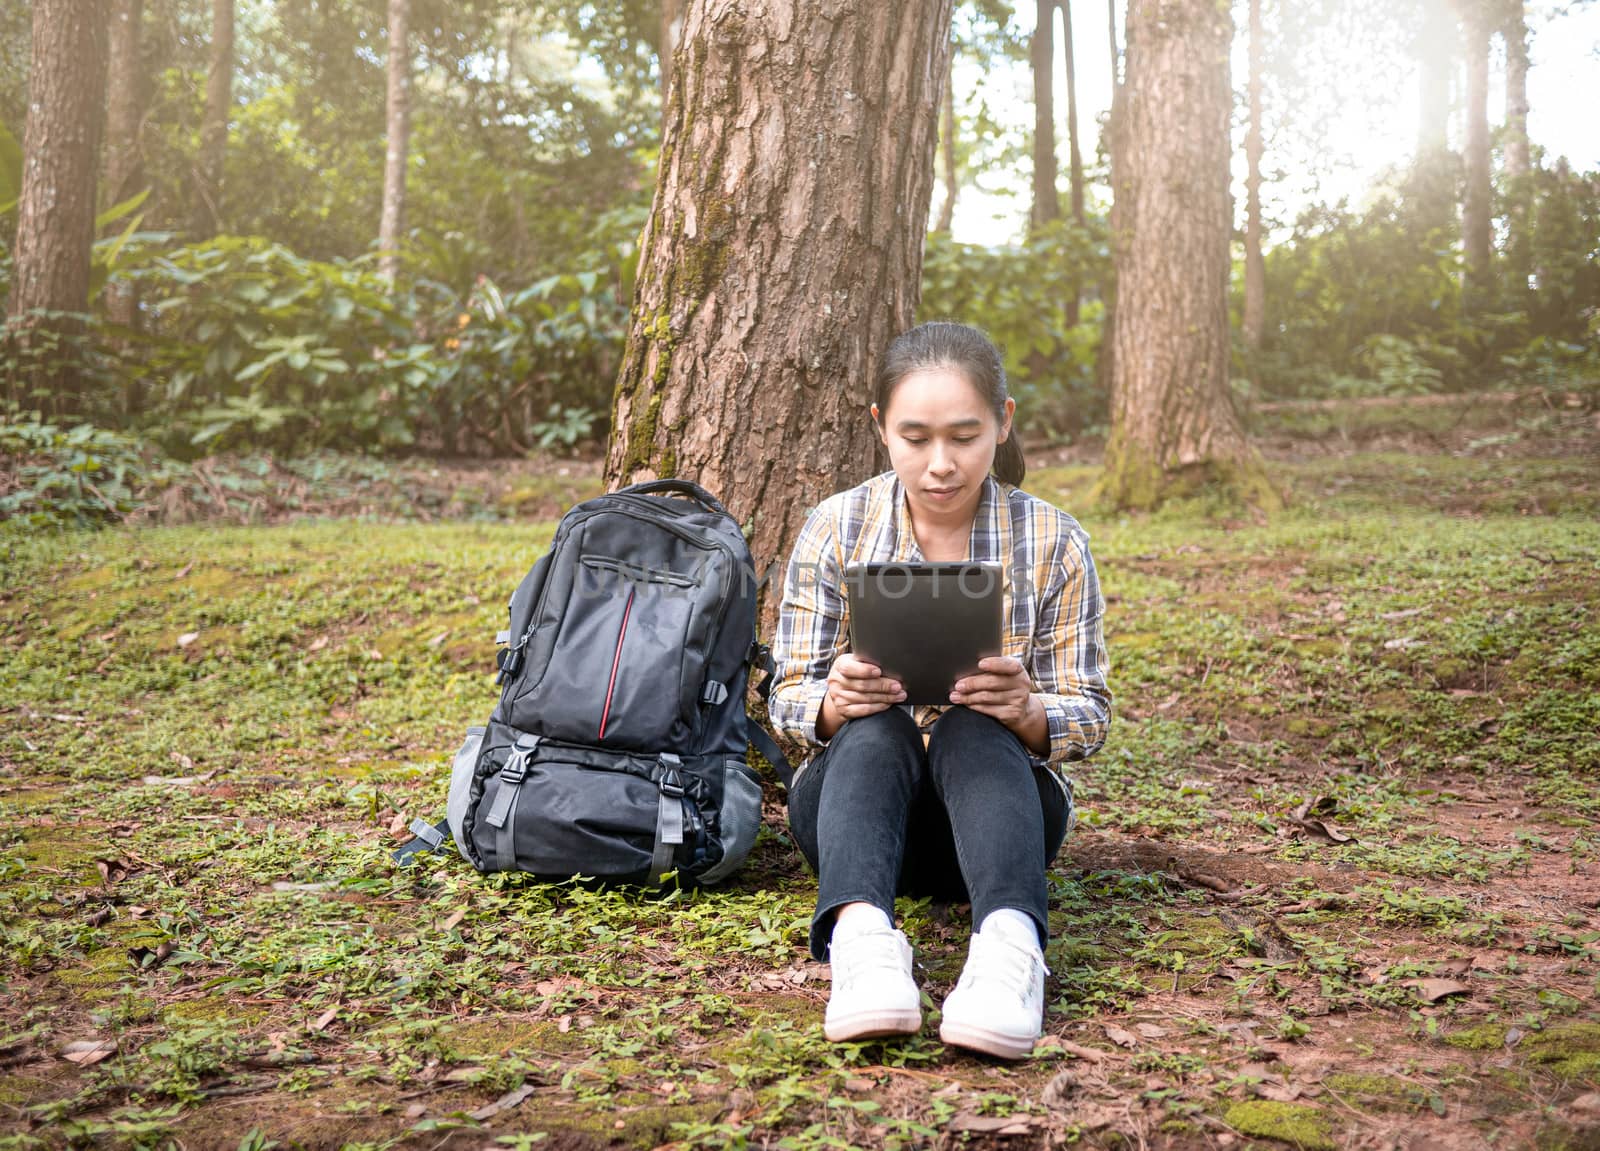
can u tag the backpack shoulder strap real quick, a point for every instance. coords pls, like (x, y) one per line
(760, 660)
(429, 837)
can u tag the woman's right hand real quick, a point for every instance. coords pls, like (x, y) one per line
(857, 688)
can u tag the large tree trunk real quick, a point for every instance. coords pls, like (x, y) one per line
(1475, 200)
(392, 225)
(1046, 204)
(56, 210)
(1255, 266)
(206, 215)
(782, 254)
(1518, 167)
(1173, 422)
(124, 166)
(947, 150)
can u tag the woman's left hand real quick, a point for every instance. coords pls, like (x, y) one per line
(1000, 688)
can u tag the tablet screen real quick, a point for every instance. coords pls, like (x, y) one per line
(925, 624)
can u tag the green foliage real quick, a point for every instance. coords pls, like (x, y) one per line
(73, 477)
(1019, 295)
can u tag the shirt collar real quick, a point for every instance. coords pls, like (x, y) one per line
(990, 526)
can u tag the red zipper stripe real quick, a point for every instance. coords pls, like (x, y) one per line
(616, 661)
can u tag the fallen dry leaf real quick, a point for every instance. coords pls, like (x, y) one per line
(318, 644)
(188, 638)
(1453, 966)
(505, 1103)
(1150, 1030)
(113, 870)
(320, 1023)
(455, 918)
(564, 1024)
(989, 1124)
(87, 1052)
(184, 570)
(1433, 990)
(1120, 1037)
(439, 639)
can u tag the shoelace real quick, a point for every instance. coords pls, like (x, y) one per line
(1010, 965)
(870, 951)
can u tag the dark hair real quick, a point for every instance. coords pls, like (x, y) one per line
(959, 348)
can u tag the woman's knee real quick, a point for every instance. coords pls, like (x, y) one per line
(968, 729)
(883, 730)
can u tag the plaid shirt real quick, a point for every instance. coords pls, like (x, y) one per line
(1052, 605)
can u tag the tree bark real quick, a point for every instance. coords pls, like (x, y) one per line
(124, 159)
(392, 224)
(1433, 176)
(947, 150)
(56, 209)
(1046, 204)
(667, 50)
(1476, 197)
(1173, 421)
(1518, 167)
(1255, 266)
(782, 254)
(206, 215)
(1105, 361)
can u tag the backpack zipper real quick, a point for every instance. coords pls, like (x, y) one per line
(616, 660)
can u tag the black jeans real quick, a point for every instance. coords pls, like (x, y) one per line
(967, 818)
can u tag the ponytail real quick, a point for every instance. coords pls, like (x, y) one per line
(1009, 466)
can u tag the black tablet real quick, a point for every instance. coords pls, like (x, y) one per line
(925, 624)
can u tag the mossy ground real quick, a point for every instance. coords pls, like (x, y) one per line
(194, 839)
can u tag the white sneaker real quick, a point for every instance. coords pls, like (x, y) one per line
(997, 1006)
(873, 992)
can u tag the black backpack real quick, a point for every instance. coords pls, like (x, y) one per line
(617, 750)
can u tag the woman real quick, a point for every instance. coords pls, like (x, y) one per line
(977, 809)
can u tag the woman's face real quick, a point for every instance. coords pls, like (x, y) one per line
(941, 438)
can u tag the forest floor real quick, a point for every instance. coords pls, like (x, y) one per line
(1337, 882)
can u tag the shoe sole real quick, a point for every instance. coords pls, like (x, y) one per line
(994, 1043)
(873, 1025)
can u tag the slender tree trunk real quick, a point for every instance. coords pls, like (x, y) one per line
(1255, 266)
(1074, 154)
(124, 163)
(392, 226)
(206, 217)
(1105, 361)
(1046, 204)
(1433, 177)
(782, 254)
(56, 209)
(1476, 197)
(1518, 168)
(1173, 421)
(947, 150)
(667, 50)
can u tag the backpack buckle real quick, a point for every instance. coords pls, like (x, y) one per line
(714, 692)
(670, 782)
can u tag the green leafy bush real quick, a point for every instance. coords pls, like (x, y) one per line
(70, 477)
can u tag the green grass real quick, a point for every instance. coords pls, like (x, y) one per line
(233, 717)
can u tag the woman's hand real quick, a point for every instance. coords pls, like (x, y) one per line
(856, 688)
(1001, 688)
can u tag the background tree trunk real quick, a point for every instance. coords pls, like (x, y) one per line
(1433, 176)
(947, 149)
(1255, 266)
(392, 225)
(1046, 204)
(124, 166)
(1105, 361)
(1074, 154)
(56, 210)
(782, 254)
(1518, 167)
(206, 216)
(1476, 196)
(1173, 422)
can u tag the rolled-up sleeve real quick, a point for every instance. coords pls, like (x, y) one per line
(811, 628)
(1069, 663)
